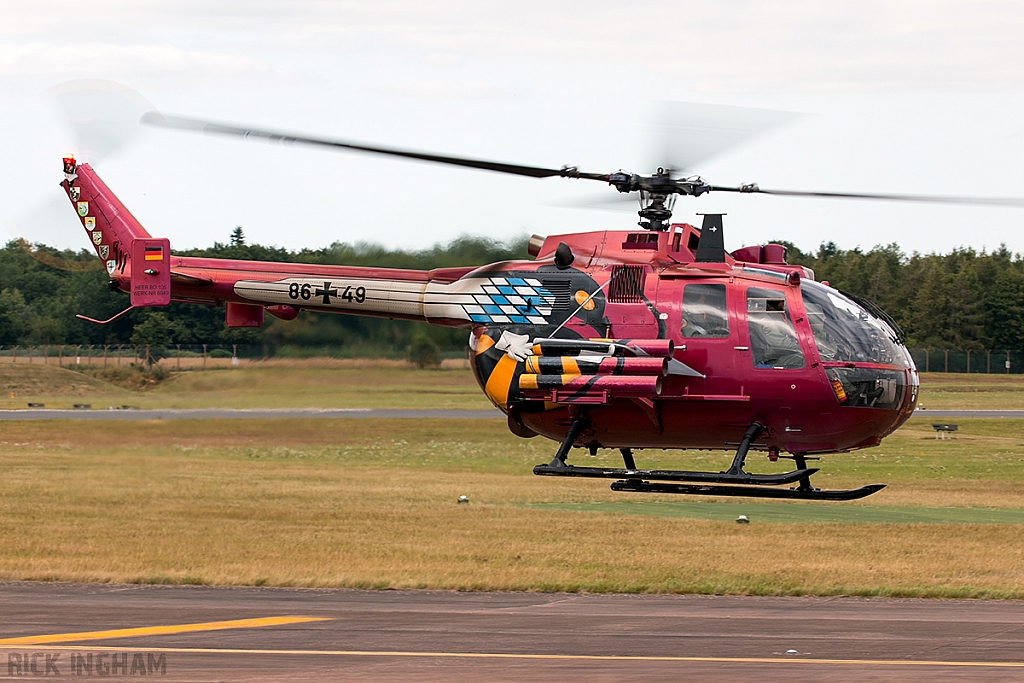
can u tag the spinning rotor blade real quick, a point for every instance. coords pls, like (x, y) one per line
(102, 116)
(932, 199)
(688, 133)
(606, 202)
(703, 130)
(158, 119)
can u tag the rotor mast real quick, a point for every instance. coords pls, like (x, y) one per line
(657, 194)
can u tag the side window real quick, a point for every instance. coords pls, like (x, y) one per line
(705, 313)
(773, 341)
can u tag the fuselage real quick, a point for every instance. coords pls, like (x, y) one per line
(765, 341)
(741, 338)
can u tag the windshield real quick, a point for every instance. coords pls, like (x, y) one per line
(846, 332)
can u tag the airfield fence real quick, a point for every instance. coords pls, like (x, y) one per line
(192, 356)
(188, 356)
(972, 361)
(115, 355)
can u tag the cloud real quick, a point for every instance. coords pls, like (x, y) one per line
(160, 63)
(736, 45)
(442, 89)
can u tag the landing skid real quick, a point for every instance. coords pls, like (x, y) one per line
(703, 483)
(798, 493)
(675, 475)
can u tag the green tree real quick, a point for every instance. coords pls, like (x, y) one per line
(1005, 304)
(14, 315)
(156, 332)
(423, 351)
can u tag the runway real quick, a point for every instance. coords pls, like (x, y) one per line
(245, 414)
(215, 634)
(271, 413)
(942, 414)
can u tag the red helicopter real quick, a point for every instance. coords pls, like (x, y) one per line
(633, 339)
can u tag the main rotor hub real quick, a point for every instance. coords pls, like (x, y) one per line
(657, 194)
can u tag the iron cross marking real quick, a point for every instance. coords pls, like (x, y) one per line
(326, 292)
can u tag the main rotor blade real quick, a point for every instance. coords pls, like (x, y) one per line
(158, 119)
(932, 199)
(688, 133)
(607, 202)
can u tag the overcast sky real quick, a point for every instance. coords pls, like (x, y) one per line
(917, 97)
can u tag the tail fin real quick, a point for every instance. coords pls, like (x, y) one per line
(111, 227)
(119, 239)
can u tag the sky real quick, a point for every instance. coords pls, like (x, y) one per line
(911, 97)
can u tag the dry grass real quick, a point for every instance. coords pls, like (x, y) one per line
(371, 503)
(30, 381)
(318, 383)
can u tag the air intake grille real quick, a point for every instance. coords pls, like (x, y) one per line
(627, 285)
(561, 290)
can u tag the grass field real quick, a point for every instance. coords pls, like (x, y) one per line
(940, 391)
(316, 383)
(328, 383)
(372, 504)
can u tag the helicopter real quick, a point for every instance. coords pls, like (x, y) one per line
(649, 338)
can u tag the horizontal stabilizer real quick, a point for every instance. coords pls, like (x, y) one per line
(185, 280)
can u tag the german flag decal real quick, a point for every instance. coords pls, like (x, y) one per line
(155, 253)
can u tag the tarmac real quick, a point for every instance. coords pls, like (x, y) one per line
(200, 633)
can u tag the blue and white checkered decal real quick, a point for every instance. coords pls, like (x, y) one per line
(517, 300)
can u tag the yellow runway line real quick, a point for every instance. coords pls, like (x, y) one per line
(510, 655)
(157, 630)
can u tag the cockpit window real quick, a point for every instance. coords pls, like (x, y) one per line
(773, 341)
(845, 332)
(705, 313)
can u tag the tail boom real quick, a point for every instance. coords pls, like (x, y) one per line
(451, 297)
(441, 297)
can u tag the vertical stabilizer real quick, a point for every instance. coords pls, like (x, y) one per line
(110, 226)
(711, 248)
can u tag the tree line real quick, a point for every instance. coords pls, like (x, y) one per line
(42, 289)
(961, 300)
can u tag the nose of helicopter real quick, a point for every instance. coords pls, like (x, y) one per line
(874, 402)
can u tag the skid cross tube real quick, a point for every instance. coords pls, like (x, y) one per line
(575, 429)
(801, 463)
(627, 458)
(753, 431)
(800, 460)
